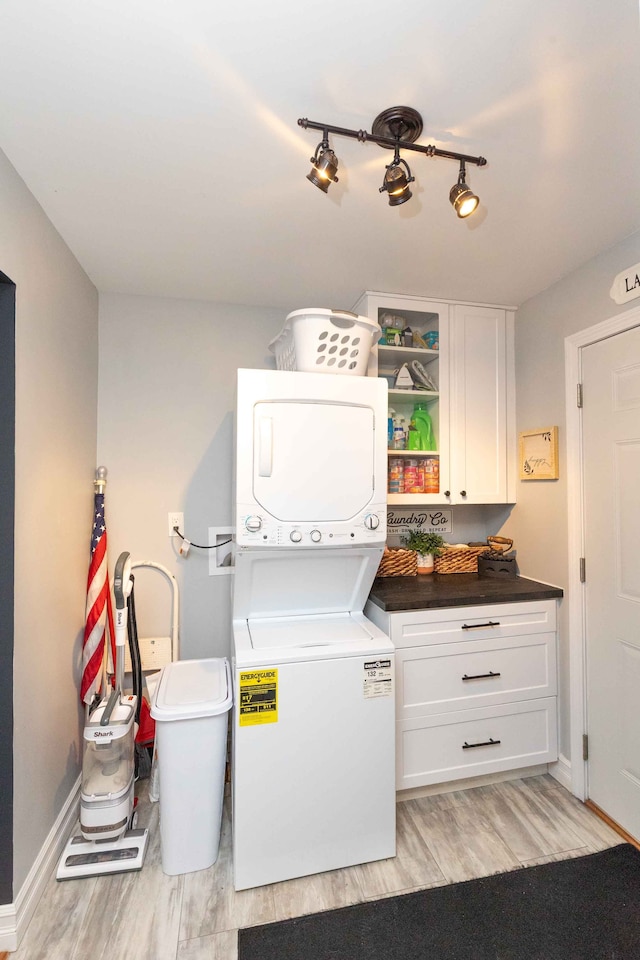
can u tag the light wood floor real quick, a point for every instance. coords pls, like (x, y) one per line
(442, 839)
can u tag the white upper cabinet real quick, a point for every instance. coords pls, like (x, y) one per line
(472, 407)
(482, 405)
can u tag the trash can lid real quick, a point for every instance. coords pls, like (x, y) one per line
(193, 688)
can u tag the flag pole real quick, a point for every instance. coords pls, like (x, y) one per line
(97, 600)
(99, 484)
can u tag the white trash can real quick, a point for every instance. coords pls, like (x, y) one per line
(191, 709)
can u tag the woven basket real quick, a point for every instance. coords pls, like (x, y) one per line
(398, 563)
(459, 561)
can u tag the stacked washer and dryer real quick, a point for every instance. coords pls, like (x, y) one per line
(313, 770)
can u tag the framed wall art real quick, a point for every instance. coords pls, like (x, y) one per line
(539, 454)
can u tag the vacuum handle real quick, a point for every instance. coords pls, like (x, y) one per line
(122, 585)
(110, 707)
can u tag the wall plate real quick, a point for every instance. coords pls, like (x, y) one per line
(222, 560)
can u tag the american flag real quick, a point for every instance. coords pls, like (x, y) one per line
(96, 609)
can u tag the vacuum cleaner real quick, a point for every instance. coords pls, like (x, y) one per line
(108, 841)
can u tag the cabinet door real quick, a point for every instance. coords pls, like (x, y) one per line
(482, 441)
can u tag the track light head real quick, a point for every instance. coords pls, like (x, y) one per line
(396, 181)
(462, 198)
(325, 166)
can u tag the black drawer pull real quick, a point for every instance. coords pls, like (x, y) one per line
(479, 626)
(481, 676)
(487, 743)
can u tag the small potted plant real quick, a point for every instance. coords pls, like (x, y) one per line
(426, 545)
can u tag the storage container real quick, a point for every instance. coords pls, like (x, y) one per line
(317, 340)
(453, 560)
(191, 708)
(398, 563)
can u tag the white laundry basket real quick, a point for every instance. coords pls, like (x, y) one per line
(191, 709)
(318, 340)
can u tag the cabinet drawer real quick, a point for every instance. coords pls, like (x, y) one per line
(460, 624)
(476, 673)
(474, 742)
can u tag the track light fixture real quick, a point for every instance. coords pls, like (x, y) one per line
(396, 181)
(325, 166)
(396, 128)
(463, 200)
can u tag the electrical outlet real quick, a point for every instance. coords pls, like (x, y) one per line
(175, 520)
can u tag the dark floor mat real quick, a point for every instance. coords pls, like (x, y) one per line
(581, 909)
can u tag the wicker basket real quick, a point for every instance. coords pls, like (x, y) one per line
(398, 563)
(454, 560)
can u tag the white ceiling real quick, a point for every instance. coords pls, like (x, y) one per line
(161, 138)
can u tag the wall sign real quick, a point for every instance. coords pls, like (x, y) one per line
(539, 454)
(626, 285)
(401, 520)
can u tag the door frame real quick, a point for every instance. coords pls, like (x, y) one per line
(573, 346)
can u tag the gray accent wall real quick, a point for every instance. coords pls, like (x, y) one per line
(165, 434)
(56, 359)
(538, 523)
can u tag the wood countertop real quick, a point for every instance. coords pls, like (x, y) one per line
(455, 590)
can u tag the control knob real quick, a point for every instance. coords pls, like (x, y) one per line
(316, 536)
(372, 521)
(253, 524)
(295, 536)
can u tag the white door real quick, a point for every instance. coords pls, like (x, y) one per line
(313, 461)
(611, 439)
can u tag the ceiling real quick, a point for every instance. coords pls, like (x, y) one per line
(161, 138)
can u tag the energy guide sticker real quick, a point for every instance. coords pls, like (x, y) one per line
(378, 679)
(258, 697)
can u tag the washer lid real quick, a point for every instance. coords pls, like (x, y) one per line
(193, 688)
(269, 641)
(306, 632)
(303, 581)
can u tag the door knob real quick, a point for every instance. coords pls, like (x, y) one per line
(447, 493)
(463, 493)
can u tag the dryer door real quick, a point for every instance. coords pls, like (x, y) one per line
(312, 460)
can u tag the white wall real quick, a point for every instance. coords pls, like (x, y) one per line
(56, 413)
(538, 523)
(165, 430)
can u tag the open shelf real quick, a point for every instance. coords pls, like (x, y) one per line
(395, 356)
(414, 396)
(419, 454)
(407, 499)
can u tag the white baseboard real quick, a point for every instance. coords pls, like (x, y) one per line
(8, 927)
(414, 793)
(561, 771)
(15, 917)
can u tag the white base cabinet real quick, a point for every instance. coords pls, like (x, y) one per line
(475, 689)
